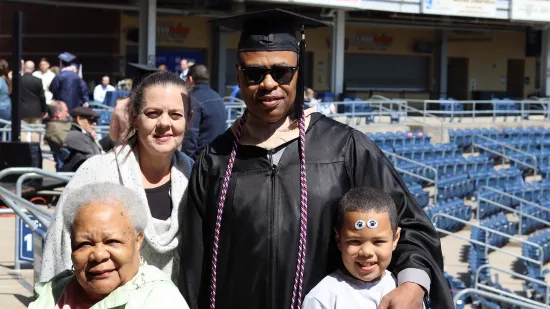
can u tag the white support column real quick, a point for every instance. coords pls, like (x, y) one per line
(337, 53)
(147, 32)
(151, 33)
(443, 63)
(545, 64)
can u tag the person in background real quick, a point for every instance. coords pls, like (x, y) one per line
(209, 112)
(119, 121)
(310, 99)
(5, 91)
(55, 69)
(57, 127)
(67, 86)
(58, 124)
(47, 76)
(33, 102)
(163, 67)
(81, 140)
(77, 67)
(106, 223)
(125, 84)
(184, 66)
(101, 90)
(146, 161)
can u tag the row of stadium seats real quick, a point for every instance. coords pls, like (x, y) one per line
(454, 185)
(498, 223)
(391, 139)
(446, 166)
(454, 207)
(496, 178)
(422, 197)
(532, 192)
(501, 106)
(463, 137)
(529, 225)
(427, 151)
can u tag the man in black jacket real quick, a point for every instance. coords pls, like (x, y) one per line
(80, 141)
(258, 226)
(33, 101)
(209, 113)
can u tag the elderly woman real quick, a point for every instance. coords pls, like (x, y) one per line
(147, 161)
(106, 222)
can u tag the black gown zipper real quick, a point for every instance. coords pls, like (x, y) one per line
(272, 233)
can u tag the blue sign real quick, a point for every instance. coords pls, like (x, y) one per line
(25, 251)
(172, 59)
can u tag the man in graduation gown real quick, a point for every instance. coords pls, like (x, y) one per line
(67, 85)
(253, 200)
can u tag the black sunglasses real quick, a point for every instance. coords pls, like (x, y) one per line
(255, 75)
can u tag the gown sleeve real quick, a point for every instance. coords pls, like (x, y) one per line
(191, 257)
(419, 246)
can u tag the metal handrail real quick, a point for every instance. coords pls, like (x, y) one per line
(24, 170)
(101, 105)
(504, 145)
(516, 212)
(494, 112)
(9, 198)
(424, 114)
(486, 244)
(30, 172)
(434, 181)
(511, 273)
(512, 197)
(41, 215)
(524, 303)
(228, 99)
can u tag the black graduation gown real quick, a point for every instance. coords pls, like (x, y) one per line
(260, 227)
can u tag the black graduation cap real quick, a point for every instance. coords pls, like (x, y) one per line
(274, 30)
(142, 71)
(66, 58)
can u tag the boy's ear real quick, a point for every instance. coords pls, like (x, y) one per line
(396, 237)
(337, 237)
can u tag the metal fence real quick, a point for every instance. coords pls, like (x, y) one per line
(521, 302)
(24, 208)
(479, 285)
(486, 111)
(518, 211)
(486, 244)
(503, 153)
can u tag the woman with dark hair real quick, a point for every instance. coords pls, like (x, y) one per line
(147, 160)
(5, 91)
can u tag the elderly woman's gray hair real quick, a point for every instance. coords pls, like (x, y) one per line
(108, 193)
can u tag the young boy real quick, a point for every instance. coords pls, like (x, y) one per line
(366, 234)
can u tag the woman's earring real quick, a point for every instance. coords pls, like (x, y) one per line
(72, 268)
(141, 260)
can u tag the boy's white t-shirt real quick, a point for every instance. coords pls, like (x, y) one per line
(340, 291)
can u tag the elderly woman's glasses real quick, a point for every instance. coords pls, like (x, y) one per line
(255, 75)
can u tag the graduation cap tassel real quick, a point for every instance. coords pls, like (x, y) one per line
(219, 215)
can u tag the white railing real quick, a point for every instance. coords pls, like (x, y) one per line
(478, 284)
(504, 147)
(518, 212)
(486, 244)
(471, 108)
(519, 301)
(393, 157)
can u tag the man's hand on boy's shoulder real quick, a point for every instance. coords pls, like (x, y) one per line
(406, 296)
